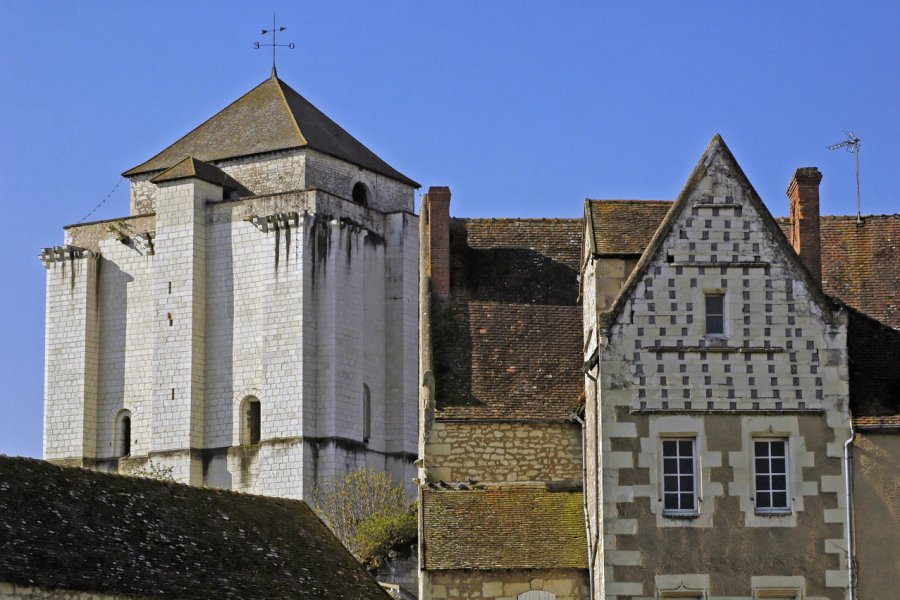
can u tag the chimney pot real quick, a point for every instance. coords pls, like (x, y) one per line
(438, 203)
(803, 192)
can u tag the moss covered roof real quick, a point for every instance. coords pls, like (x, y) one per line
(516, 528)
(67, 528)
(268, 118)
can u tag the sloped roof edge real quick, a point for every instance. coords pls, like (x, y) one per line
(288, 121)
(717, 144)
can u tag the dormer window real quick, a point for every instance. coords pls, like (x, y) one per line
(360, 194)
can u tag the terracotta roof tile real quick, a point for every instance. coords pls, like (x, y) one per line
(507, 346)
(515, 528)
(85, 531)
(624, 227)
(877, 422)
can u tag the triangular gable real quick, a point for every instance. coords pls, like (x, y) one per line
(716, 147)
(269, 118)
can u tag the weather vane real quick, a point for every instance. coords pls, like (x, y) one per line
(851, 144)
(275, 29)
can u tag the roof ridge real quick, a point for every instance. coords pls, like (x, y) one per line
(510, 219)
(628, 201)
(132, 171)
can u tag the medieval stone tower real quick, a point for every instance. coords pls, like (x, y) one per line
(253, 322)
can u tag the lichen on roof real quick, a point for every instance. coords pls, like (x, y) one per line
(523, 527)
(73, 529)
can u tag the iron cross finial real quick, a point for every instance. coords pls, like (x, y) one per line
(275, 30)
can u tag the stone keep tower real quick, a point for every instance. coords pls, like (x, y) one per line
(253, 323)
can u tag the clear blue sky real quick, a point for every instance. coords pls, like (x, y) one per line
(523, 108)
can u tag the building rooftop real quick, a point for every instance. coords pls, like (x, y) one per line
(268, 118)
(506, 346)
(522, 527)
(79, 530)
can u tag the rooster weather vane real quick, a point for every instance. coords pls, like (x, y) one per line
(275, 29)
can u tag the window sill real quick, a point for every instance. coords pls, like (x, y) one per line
(774, 513)
(681, 516)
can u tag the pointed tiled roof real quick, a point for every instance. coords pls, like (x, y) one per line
(191, 167)
(268, 118)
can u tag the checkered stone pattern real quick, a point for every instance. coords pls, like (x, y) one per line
(780, 369)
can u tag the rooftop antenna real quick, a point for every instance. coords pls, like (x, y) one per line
(851, 144)
(275, 29)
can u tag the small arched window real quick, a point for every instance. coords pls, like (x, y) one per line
(367, 414)
(123, 433)
(360, 194)
(252, 422)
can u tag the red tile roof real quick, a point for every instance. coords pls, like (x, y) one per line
(624, 227)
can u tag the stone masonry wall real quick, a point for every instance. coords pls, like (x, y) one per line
(780, 370)
(292, 284)
(292, 170)
(560, 584)
(70, 354)
(504, 452)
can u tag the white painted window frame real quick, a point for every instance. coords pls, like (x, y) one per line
(780, 510)
(679, 513)
(706, 295)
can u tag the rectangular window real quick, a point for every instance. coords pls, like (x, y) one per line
(679, 477)
(715, 314)
(770, 465)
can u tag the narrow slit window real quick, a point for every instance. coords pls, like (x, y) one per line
(367, 414)
(679, 477)
(715, 314)
(253, 422)
(770, 465)
(124, 434)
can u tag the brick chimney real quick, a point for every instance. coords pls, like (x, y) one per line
(803, 192)
(438, 206)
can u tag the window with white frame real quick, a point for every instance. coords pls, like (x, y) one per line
(770, 474)
(679, 476)
(715, 313)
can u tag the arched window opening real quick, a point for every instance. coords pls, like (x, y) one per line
(252, 430)
(367, 414)
(123, 434)
(360, 194)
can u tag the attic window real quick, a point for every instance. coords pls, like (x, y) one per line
(360, 194)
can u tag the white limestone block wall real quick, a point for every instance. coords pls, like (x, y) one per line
(127, 311)
(70, 354)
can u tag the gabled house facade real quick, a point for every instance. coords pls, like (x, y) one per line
(738, 402)
(717, 404)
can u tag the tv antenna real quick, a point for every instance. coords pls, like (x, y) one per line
(851, 144)
(275, 29)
